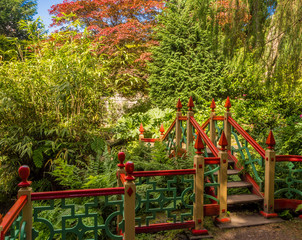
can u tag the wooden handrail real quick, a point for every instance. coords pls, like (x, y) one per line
(77, 193)
(204, 136)
(169, 130)
(12, 214)
(247, 137)
(288, 158)
(164, 173)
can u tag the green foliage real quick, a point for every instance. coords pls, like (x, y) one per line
(289, 136)
(184, 63)
(128, 125)
(13, 11)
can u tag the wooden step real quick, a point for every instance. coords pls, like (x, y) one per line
(243, 198)
(230, 172)
(239, 184)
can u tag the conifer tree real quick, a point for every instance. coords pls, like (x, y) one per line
(185, 62)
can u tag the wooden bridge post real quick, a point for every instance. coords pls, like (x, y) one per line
(25, 189)
(177, 125)
(141, 135)
(223, 180)
(270, 163)
(198, 212)
(129, 203)
(189, 124)
(212, 122)
(227, 125)
(121, 170)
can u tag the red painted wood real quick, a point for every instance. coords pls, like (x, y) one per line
(13, 213)
(198, 144)
(288, 158)
(212, 160)
(281, 204)
(179, 105)
(182, 118)
(268, 215)
(169, 130)
(123, 177)
(141, 129)
(223, 141)
(164, 173)
(204, 136)
(77, 193)
(213, 105)
(205, 124)
(228, 104)
(190, 103)
(218, 118)
(253, 143)
(164, 226)
(270, 141)
(211, 209)
(149, 139)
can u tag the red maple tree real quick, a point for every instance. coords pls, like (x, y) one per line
(113, 22)
(124, 29)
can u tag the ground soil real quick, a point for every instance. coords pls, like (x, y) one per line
(287, 230)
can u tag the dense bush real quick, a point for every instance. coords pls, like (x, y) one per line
(184, 63)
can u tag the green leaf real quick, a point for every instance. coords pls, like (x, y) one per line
(38, 158)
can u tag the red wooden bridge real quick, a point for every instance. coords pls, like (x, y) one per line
(184, 196)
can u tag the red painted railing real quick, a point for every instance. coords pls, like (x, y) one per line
(164, 173)
(204, 136)
(12, 214)
(205, 124)
(218, 118)
(77, 193)
(150, 139)
(169, 129)
(288, 158)
(247, 137)
(182, 118)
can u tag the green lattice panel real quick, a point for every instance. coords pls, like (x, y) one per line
(17, 230)
(170, 141)
(77, 218)
(288, 181)
(248, 157)
(169, 198)
(183, 127)
(219, 126)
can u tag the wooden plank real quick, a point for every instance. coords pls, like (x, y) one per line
(239, 184)
(243, 198)
(230, 172)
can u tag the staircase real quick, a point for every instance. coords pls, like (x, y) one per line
(236, 181)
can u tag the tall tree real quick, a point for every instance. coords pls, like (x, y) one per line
(13, 11)
(185, 62)
(124, 28)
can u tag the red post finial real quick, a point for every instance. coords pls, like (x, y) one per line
(190, 104)
(228, 104)
(223, 142)
(24, 172)
(141, 129)
(129, 170)
(213, 105)
(162, 130)
(270, 141)
(121, 157)
(178, 105)
(198, 144)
